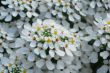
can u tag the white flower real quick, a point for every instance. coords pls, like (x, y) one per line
(104, 24)
(48, 44)
(49, 38)
(21, 8)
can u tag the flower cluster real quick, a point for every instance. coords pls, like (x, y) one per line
(49, 40)
(54, 36)
(11, 68)
(105, 24)
(22, 7)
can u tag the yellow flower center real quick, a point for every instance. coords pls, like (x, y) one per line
(59, 1)
(29, 0)
(25, 1)
(108, 22)
(72, 41)
(38, 28)
(55, 32)
(2, 71)
(24, 71)
(66, 45)
(45, 27)
(107, 28)
(10, 65)
(57, 39)
(67, 4)
(49, 40)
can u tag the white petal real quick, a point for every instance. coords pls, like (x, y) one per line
(35, 14)
(37, 51)
(27, 7)
(8, 18)
(51, 46)
(71, 18)
(99, 4)
(77, 8)
(45, 46)
(1, 55)
(31, 57)
(50, 65)
(5, 61)
(68, 52)
(52, 53)
(27, 64)
(29, 14)
(104, 54)
(92, 4)
(40, 63)
(60, 15)
(5, 71)
(22, 14)
(93, 57)
(60, 64)
(9, 51)
(39, 45)
(33, 44)
(48, 15)
(56, 45)
(77, 16)
(54, 12)
(11, 6)
(103, 40)
(108, 44)
(28, 27)
(72, 47)
(22, 50)
(103, 69)
(4, 13)
(60, 53)
(19, 42)
(14, 14)
(4, 2)
(97, 43)
(42, 8)
(58, 71)
(43, 54)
